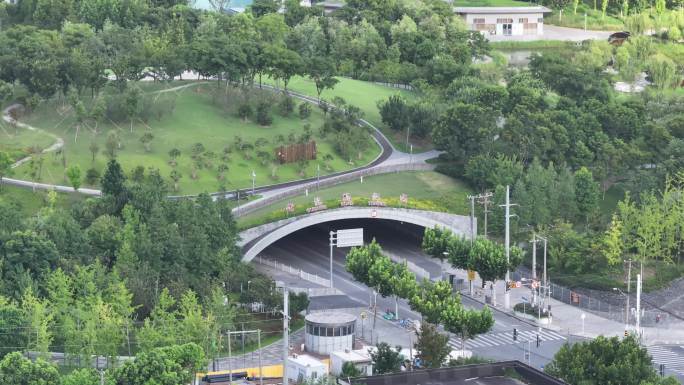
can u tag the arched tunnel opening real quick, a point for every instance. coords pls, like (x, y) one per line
(308, 250)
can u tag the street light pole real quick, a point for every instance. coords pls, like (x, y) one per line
(507, 206)
(534, 267)
(253, 181)
(332, 243)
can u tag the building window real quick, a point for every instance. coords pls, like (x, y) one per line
(478, 21)
(504, 21)
(522, 20)
(330, 332)
(337, 332)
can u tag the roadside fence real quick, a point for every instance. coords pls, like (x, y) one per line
(313, 278)
(649, 317)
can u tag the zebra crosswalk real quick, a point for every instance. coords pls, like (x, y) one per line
(505, 338)
(673, 361)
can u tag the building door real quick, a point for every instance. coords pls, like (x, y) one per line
(507, 29)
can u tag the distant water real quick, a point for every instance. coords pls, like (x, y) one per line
(204, 4)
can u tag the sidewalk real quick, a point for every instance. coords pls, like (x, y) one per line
(567, 319)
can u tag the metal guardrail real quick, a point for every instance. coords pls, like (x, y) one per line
(313, 278)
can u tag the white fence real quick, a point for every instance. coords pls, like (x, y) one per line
(415, 269)
(313, 278)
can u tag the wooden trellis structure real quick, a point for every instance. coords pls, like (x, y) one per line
(295, 152)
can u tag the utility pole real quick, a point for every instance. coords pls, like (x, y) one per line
(629, 286)
(261, 375)
(507, 206)
(286, 339)
(484, 200)
(638, 307)
(472, 218)
(230, 359)
(318, 176)
(534, 267)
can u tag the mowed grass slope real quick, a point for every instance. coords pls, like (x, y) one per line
(362, 94)
(195, 120)
(448, 193)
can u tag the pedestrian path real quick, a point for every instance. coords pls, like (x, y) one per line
(499, 339)
(673, 361)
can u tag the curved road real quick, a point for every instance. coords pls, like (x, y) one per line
(308, 250)
(388, 156)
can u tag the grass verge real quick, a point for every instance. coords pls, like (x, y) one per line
(425, 190)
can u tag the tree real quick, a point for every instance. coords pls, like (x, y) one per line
(113, 180)
(286, 105)
(81, 377)
(432, 346)
(663, 71)
(609, 361)
(174, 154)
(175, 177)
(172, 365)
(298, 302)
(28, 257)
(74, 175)
(385, 359)
(244, 111)
(12, 318)
(133, 103)
(92, 176)
(586, 192)
(260, 8)
(350, 370)
(304, 110)
(395, 113)
(94, 148)
(146, 139)
(16, 369)
(6, 163)
(263, 114)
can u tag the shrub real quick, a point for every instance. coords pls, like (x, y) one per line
(245, 111)
(286, 105)
(263, 114)
(528, 309)
(674, 34)
(92, 176)
(304, 111)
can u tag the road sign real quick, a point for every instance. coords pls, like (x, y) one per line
(535, 284)
(471, 275)
(350, 237)
(518, 285)
(363, 315)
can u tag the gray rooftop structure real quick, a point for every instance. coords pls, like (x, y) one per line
(498, 373)
(501, 10)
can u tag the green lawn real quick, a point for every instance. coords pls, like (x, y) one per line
(364, 95)
(492, 3)
(195, 120)
(428, 189)
(595, 19)
(19, 142)
(30, 202)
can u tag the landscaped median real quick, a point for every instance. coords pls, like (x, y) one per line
(425, 190)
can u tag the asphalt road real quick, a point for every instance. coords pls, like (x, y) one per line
(308, 250)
